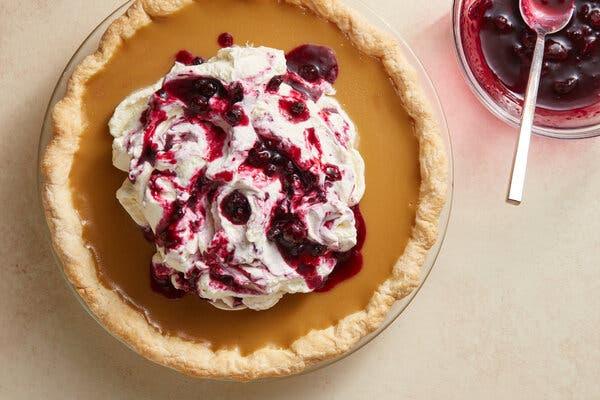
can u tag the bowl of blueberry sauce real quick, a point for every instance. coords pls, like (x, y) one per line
(495, 48)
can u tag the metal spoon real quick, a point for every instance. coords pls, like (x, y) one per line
(544, 17)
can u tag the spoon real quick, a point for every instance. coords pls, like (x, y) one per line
(544, 17)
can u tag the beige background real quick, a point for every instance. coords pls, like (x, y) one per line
(512, 310)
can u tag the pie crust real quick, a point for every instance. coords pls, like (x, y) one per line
(197, 359)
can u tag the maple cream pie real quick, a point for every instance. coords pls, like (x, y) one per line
(243, 172)
(241, 189)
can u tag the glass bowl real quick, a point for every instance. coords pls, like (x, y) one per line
(90, 44)
(570, 124)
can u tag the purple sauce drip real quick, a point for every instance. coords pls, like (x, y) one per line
(349, 263)
(161, 283)
(268, 156)
(312, 62)
(287, 230)
(295, 111)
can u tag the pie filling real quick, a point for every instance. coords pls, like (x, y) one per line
(243, 171)
(387, 145)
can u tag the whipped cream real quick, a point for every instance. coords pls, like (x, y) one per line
(244, 174)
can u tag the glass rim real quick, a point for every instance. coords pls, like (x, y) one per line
(89, 44)
(583, 132)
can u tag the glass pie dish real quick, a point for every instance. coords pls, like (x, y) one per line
(574, 123)
(90, 44)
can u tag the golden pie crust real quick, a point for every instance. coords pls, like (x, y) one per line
(197, 359)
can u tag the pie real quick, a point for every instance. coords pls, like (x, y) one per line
(104, 253)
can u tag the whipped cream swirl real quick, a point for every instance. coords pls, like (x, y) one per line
(243, 173)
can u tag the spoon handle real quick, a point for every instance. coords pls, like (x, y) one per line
(517, 181)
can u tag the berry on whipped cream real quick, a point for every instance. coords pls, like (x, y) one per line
(243, 170)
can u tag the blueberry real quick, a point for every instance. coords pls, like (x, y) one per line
(297, 108)
(309, 72)
(274, 83)
(236, 208)
(236, 93)
(565, 86)
(233, 116)
(502, 23)
(207, 87)
(555, 51)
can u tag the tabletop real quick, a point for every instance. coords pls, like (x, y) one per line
(511, 310)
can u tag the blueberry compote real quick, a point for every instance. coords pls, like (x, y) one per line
(307, 66)
(312, 62)
(571, 67)
(288, 231)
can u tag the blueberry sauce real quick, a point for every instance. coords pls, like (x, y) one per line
(196, 93)
(294, 110)
(225, 176)
(215, 136)
(167, 230)
(161, 283)
(151, 120)
(225, 39)
(148, 234)
(287, 230)
(311, 137)
(268, 156)
(571, 68)
(349, 263)
(313, 62)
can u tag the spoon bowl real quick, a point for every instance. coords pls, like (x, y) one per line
(549, 16)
